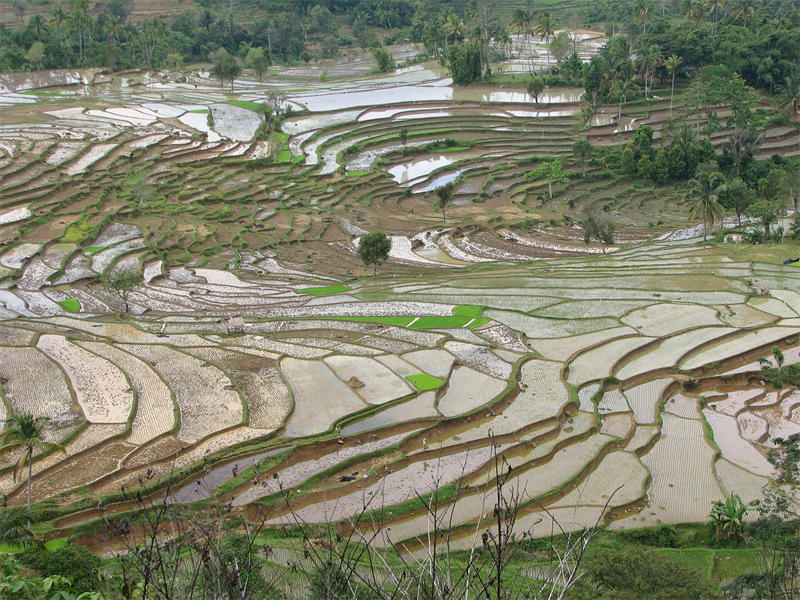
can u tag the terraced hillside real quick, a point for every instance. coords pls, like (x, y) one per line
(403, 386)
(498, 329)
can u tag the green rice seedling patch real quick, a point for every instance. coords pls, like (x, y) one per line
(200, 111)
(440, 322)
(326, 290)
(424, 382)
(357, 173)
(254, 106)
(76, 232)
(40, 93)
(468, 310)
(396, 321)
(284, 156)
(477, 322)
(70, 305)
(93, 249)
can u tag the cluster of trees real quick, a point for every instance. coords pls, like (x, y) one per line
(731, 180)
(76, 33)
(757, 39)
(677, 158)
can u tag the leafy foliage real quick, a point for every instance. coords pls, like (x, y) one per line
(637, 574)
(444, 196)
(122, 282)
(373, 248)
(17, 585)
(71, 561)
(728, 515)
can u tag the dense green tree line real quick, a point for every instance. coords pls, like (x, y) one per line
(78, 33)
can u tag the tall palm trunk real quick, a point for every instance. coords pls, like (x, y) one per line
(30, 476)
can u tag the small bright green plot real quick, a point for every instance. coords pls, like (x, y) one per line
(396, 321)
(468, 310)
(70, 305)
(254, 106)
(324, 291)
(440, 322)
(424, 382)
(478, 322)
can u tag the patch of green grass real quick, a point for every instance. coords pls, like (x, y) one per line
(93, 249)
(478, 322)
(254, 106)
(700, 559)
(357, 173)
(395, 321)
(441, 322)
(70, 305)
(324, 291)
(54, 545)
(40, 93)
(76, 232)
(468, 310)
(283, 157)
(454, 149)
(200, 111)
(424, 382)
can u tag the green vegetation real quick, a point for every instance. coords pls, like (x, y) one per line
(468, 310)
(394, 321)
(70, 305)
(373, 249)
(122, 281)
(326, 290)
(440, 322)
(254, 106)
(23, 435)
(424, 382)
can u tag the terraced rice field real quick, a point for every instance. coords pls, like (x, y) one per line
(482, 334)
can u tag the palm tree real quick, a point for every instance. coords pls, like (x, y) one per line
(789, 92)
(641, 13)
(746, 8)
(705, 191)
(622, 88)
(36, 22)
(716, 8)
(453, 26)
(25, 432)
(649, 58)
(15, 528)
(695, 11)
(672, 64)
(80, 22)
(113, 29)
(521, 21)
(546, 27)
(59, 18)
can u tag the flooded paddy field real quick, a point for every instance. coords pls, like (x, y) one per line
(497, 329)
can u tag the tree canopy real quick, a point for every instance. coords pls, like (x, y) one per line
(374, 248)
